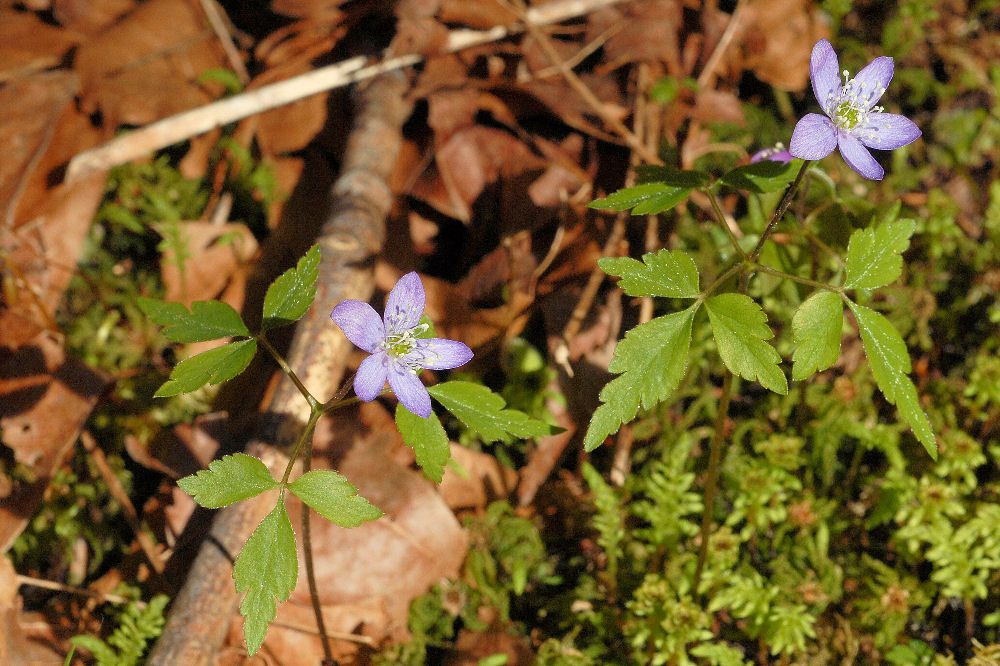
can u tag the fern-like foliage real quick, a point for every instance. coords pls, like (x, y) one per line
(137, 625)
(609, 521)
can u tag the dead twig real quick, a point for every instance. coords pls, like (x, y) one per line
(188, 124)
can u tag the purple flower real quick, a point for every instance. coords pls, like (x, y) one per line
(397, 354)
(852, 123)
(775, 153)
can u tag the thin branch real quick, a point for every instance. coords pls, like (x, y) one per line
(188, 124)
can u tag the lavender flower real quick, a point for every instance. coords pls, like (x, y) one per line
(852, 123)
(397, 354)
(776, 153)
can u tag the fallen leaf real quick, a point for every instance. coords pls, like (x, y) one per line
(47, 397)
(136, 72)
(28, 44)
(777, 39)
(484, 480)
(90, 16)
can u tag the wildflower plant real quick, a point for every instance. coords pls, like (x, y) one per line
(651, 361)
(267, 566)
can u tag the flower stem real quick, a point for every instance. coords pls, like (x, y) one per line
(283, 364)
(307, 553)
(748, 265)
(721, 219)
(795, 278)
(779, 211)
(712, 479)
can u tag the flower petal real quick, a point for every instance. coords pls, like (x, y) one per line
(824, 71)
(858, 157)
(408, 388)
(405, 304)
(872, 81)
(888, 131)
(440, 353)
(360, 323)
(814, 137)
(371, 376)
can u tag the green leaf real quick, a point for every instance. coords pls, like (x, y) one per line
(652, 173)
(483, 410)
(266, 569)
(646, 199)
(816, 329)
(289, 297)
(228, 480)
(333, 497)
(652, 359)
(207, 320)
(211, 367)
(890, 362)
(763, 176)
(671, 274)
(874, 255)
(740, 328)
(428, 440)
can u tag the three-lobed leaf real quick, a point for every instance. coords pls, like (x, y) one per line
(484, 411)
(652, 358)
(740, 329)
(427, 438)
(211, 367)
(207, 320)
(874, 255)
(333, 497)
(890, 362)
(763, 176)
(645, 199)
(670, 274)
(816, 329)
(266, 569)
(289, 296)
(228, 480)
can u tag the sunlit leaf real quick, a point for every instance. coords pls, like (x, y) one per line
(652, 359)
(211, 367)
(874, 256)
(890, 363)
(484, 411)
(207, 320)
(228, 480)
(427, 438)
(266, 569)
(816, 328)
(289, 296)
(740, 329)
(670, 274)
(333, 497)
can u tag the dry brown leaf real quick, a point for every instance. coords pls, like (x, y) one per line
(476, 14)
(471, 647)
(640, 32)
(45, 250)
(217, 253)
(713, 106)
(28, 44)
(476, 156)
(32, 107)
(90, 16)
(294, 125)
(46, 397)
(136, 71)
(18, 646)
(778, 37)
(306, 8)
(485, 480)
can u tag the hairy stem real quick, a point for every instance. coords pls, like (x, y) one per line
(721, 219)
(283, 364)
(712, 478)
(779, 211)
(307, 553)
